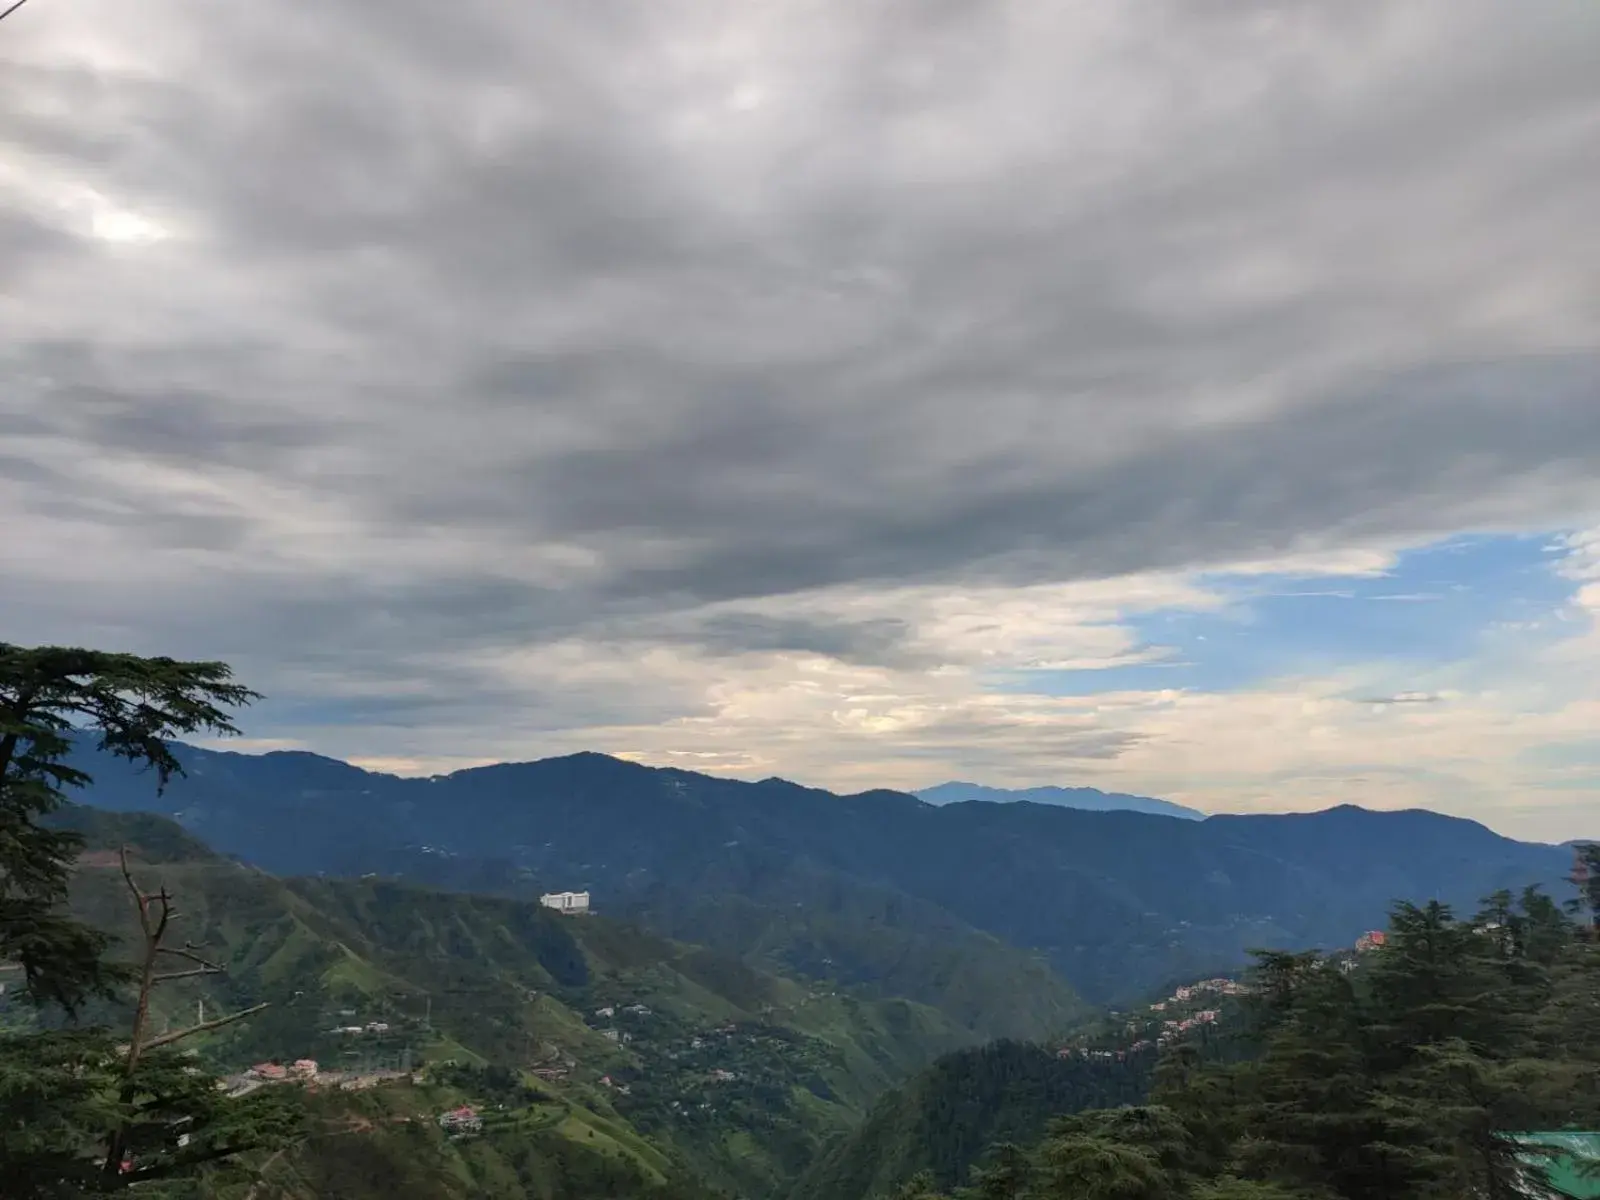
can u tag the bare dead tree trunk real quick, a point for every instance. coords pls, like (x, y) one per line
(156, 915)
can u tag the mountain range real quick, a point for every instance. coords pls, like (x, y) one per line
(772, 970)
(998, 915)
(1087, 798)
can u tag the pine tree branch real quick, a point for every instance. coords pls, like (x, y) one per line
(177, 1035)
(167, 1169)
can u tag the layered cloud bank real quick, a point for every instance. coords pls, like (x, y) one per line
(1196, 400)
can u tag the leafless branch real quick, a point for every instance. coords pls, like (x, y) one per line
(164, 899)
(140, 901)
(154, 926)
(208, 969)
(12, 9)
(177, 1035)
(188, 952)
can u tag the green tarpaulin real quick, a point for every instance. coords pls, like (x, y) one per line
(1571, 1161)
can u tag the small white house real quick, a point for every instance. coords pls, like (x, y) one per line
(566, 902)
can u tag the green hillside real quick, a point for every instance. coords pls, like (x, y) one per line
(388, 1143)
(650, 1046)
(802, 921)
(948, 1117)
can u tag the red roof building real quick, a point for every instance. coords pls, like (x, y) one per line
(461, 1118)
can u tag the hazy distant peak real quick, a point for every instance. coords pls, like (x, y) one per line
(1094, 799)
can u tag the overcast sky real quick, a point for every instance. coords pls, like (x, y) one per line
(1196, 398)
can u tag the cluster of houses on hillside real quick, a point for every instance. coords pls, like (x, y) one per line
(611, 1010)
(1185, 1019)
(1220, 987)
(306, 1071)
(272, 1072)
(608, 1012)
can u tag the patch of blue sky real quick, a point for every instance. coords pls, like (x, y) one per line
(1441, 603)
(1563, 756)
(1585, 782)
(317, 714)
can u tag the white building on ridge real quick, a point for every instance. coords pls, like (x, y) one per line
(573, 903)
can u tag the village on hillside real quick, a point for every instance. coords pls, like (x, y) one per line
(1193, 1009)
(642, 1060)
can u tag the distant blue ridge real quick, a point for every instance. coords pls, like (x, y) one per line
(1092, 799)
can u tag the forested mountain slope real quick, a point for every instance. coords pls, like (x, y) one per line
(736, 1075)
(949, 1116)
(1461, 1057)
(1116, 902)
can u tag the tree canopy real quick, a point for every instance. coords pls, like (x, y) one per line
(1410, 1074)
(85, 1110)
(132, 706)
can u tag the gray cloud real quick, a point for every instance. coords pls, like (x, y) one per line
(873, 642)
(732, 306)
(1394, 458)
(27, 244)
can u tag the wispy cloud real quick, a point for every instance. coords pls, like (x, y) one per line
(1404, 698)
